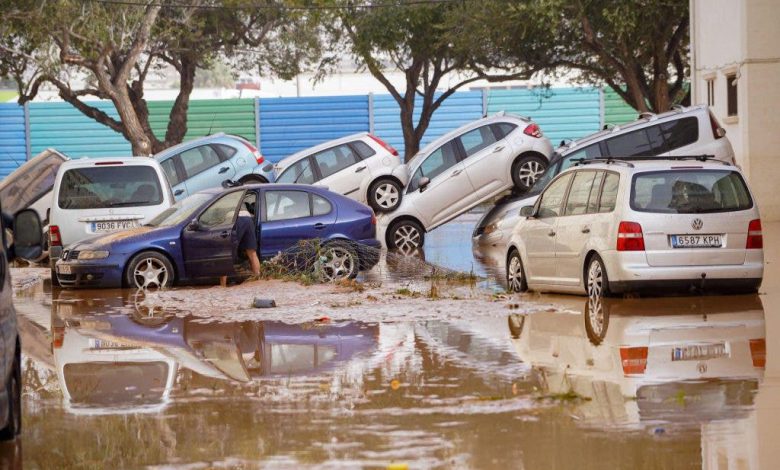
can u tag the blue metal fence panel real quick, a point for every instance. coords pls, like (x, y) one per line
(562, 113)
(457, 110)
(13, 145)
(288, 125)
(61, 126)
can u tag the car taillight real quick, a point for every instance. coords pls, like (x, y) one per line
(717, 131)
(630, 237)
(54, 236)
(253, 150)
(633, 360)
(57, 337)
(384, 144)
(373, 219)
(533, 130)
(755, 238)
(758, 352)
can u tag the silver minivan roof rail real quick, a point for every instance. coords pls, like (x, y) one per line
(627, 160)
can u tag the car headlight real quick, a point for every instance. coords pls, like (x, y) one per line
(93, 254)
(490, 228)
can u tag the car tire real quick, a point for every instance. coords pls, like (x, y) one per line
(253, 179)
(515, 273)
(14, 390)
(406, 236)
(596, 278)
(149, 269)
(384, 195)
(526, 170)
(596, 319)
(338, 261)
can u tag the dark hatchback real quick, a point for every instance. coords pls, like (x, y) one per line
(197, 238)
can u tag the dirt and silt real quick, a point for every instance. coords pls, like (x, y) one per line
(405, 368)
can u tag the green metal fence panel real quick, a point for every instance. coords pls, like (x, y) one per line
(204, 117)
(617, 111)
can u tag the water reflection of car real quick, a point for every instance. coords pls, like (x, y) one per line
(197, 237)
(686, 360)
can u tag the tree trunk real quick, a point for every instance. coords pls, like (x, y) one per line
(411, 142)
(177, 122)
(133, 130)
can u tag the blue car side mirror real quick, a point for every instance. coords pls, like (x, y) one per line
(193, 226)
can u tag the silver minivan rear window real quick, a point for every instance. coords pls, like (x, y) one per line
(110, 186)
(693, 191)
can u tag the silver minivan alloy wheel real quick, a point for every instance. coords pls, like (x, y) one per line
(386, 195)
(406, 238)
(595, 279)
(514, 275)
(150, 272)
(529, 172)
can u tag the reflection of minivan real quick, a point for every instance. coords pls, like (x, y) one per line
(93, 196)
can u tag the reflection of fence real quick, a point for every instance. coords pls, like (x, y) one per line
(281, 126)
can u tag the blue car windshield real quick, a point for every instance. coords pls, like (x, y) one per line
(181, 211)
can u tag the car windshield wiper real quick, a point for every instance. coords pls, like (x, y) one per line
(298, 176)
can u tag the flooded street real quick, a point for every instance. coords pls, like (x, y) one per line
(112, 379)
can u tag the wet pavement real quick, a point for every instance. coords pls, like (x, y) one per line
(684, 382)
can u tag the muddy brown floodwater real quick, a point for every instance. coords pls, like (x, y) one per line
(393, 375)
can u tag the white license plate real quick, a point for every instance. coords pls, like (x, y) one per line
(63, 269)
(697, 241)
(112, 226)
(698, 352)
(95, 343)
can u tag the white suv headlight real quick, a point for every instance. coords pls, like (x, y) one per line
(98, 254)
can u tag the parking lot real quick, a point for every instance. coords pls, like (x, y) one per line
(470, 378)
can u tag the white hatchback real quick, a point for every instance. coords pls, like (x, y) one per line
(464, 168)
(361, 167)
(93, 196)
(639, 224)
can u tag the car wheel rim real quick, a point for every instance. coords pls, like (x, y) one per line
(596, 315)
(407, 238)
(595, 280)
(529, 172)
(338, 264)
(386, 195)
(150, 272)
(515, 275)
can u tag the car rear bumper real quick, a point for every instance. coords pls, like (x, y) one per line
(714, 286)
(91, 275)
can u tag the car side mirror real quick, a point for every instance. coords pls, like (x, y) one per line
(423, 183)
(28, 235)
(527, 211)
(193, 226)
(268, 167)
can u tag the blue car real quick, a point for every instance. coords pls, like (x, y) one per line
(197, 238)
(206, 162)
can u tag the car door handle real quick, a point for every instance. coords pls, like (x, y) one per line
(498, 149)
(585, 230)
(359, 169)
(319, 226)
(178, 192)
(456, 172)
(551, 233)
(224, 169)
(224, 234)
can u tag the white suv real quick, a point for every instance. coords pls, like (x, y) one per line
(464, 168)
(612, 226)
(361, 167)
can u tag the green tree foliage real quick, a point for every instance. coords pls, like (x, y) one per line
(106, 49)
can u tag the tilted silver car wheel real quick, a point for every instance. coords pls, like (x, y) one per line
(150, 272)
(514, 275)
(596, 317)
(338, 263)
(386, 195)
(529, 172)
(595, 279)
(406, 238)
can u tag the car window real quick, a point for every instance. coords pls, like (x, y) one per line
(222, 211)
(335, 159)
(502, 129)
(439, 161)
(591, 151)
(199, 159)
(689, 192)
(609, 190)
(299, 172)
(477, 139)
(35, 179)
(363, 149)
(551, 199)
(641, 142)
(110, 186)
(577, 202)
(227, 151)
(172, 171)
(285, 205)
(680, 132)
(320, 205)
(248, 205)
(595, 192)
(181, 211)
